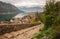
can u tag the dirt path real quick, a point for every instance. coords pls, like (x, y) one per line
(27, 33)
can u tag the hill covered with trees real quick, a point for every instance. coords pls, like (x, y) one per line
(6, 7)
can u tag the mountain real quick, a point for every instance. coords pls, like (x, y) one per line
(7, 11)
(6, 7)
(31, 9)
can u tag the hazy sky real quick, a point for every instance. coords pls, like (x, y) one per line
(26, 2)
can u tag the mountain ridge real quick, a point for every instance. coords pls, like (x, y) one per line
(7, 7)
(31, 9)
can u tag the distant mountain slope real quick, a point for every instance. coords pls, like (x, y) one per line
(31, 9)
(6, 7)
(7, 11)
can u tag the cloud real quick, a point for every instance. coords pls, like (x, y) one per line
(30, 3)
(26, 2)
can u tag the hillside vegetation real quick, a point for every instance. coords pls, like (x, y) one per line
(51, 18)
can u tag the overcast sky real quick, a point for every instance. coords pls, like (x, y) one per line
(26, 2)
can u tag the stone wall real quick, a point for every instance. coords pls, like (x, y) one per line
(7, 28)
(27, 33)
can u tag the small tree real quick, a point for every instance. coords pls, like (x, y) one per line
(50, 13)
